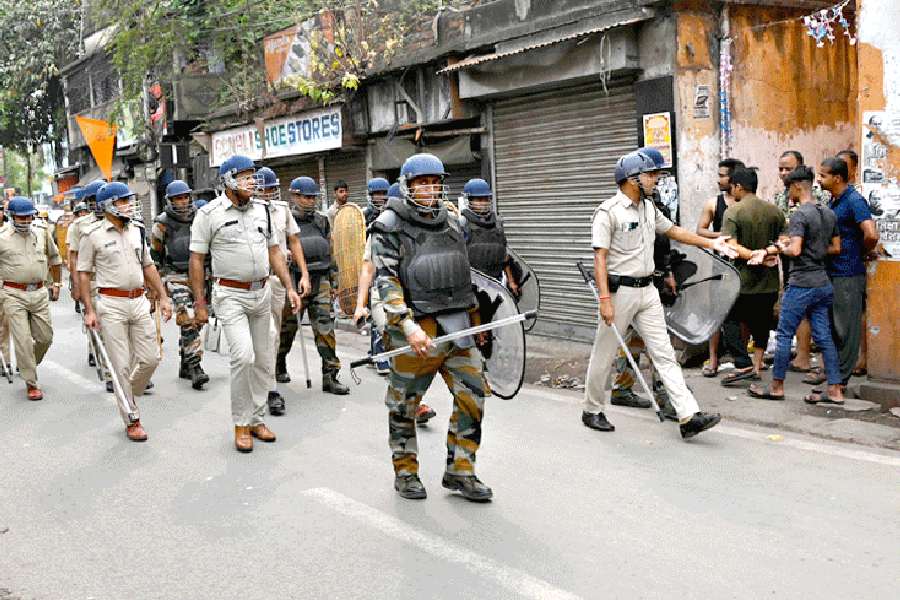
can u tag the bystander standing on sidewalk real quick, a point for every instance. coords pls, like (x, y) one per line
(752, 223)
(847, 270)
(812, 235)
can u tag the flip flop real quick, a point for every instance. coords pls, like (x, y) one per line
(860, 372)
(820, 397)
(764, 394)
(708, 371)
(737, 376)
(794, 369)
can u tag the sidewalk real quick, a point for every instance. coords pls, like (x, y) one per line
(562, 364)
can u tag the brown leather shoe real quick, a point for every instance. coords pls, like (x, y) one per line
(262, 433)
(136, 433)
(242, 440)
(35, 393)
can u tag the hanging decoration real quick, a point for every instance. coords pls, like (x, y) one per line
(725, 69)
(820, 25)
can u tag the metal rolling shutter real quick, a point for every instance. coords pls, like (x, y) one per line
(457, 177)
(351, 167)
(554, 155)
(287, 173)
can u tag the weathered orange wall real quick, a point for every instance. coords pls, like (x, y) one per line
(787, 94)
(696, 63)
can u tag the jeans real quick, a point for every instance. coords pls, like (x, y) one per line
(815, 304)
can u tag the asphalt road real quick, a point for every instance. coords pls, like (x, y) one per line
(84, 513)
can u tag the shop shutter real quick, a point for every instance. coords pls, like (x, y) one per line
(458, 175)
(554, 155)
(308, 167)
(351, 167)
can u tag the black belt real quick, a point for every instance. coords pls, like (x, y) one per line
(635, 282)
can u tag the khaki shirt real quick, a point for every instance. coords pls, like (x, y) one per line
(284, 224)
(118, 259)
(77, 230)
(237, 240)
(27, 258)
(628, 231)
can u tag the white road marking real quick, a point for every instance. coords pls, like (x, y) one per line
(72, 376)
(518, 582)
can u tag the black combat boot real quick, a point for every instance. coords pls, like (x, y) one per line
(471, 488)
(410, 487)
(276, 404)
(199, 378)
(331, 385)
(281, 374)
(627, 397)
(184, 371)
(92, 362)
(699, 423)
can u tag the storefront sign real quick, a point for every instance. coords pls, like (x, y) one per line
(313, 131)
(658, 134)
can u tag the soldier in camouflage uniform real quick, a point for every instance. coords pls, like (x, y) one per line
(423, 279)
(315, 239)
(787, 162)
(170, 239)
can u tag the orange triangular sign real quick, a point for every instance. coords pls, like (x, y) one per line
(101, 139)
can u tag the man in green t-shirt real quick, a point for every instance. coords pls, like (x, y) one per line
(754, 224)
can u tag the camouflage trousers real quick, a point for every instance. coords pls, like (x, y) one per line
(189, 345)
(410, 377)
(321, 318)
(625, 376)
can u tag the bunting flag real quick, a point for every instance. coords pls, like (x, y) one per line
(820, 25)
(101, 139)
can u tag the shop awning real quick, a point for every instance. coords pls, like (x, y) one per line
(523, 45)
(391, 154)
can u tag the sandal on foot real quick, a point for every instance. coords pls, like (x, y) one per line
(763, 394)
(795, 369)
(709, 371)
(738, 376)
(815, 378)
(859, 372)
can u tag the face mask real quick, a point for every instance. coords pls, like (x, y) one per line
(22, 227)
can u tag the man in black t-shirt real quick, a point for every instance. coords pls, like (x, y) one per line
(812, 235)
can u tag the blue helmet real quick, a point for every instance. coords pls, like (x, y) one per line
(19, 206)
(74, 193)
(478, 188)
(266, 178)
(231, 167)
(632, 165)
(113, 191)
(177, 188)
(655, 155)
(89, 196)
(378, 184)
(198, 204)
(419, 165)
(80, 207)
(394, 191)
(305, 186)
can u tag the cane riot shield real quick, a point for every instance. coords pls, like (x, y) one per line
(529, 287)
(707, 288)
(503, 349)
(348, 237)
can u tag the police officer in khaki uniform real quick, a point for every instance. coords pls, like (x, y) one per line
(623, 233)
(238, 234)
(283, 224)
(116, 251)
(27, 255)
(76, 231)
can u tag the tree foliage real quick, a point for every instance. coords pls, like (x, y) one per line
(38, 38)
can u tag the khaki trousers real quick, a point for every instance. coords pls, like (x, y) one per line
(246, 318)
(4, 337)
(129, 335)
(279, 293)
(27, 316)
(640, 308)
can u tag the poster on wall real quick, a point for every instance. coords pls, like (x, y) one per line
(879, 181)
(658, 134)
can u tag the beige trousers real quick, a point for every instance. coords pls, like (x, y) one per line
(640, 308)
(279, 293)
(246, 318)
(27, 316)
(129, 335)
(4, 337)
